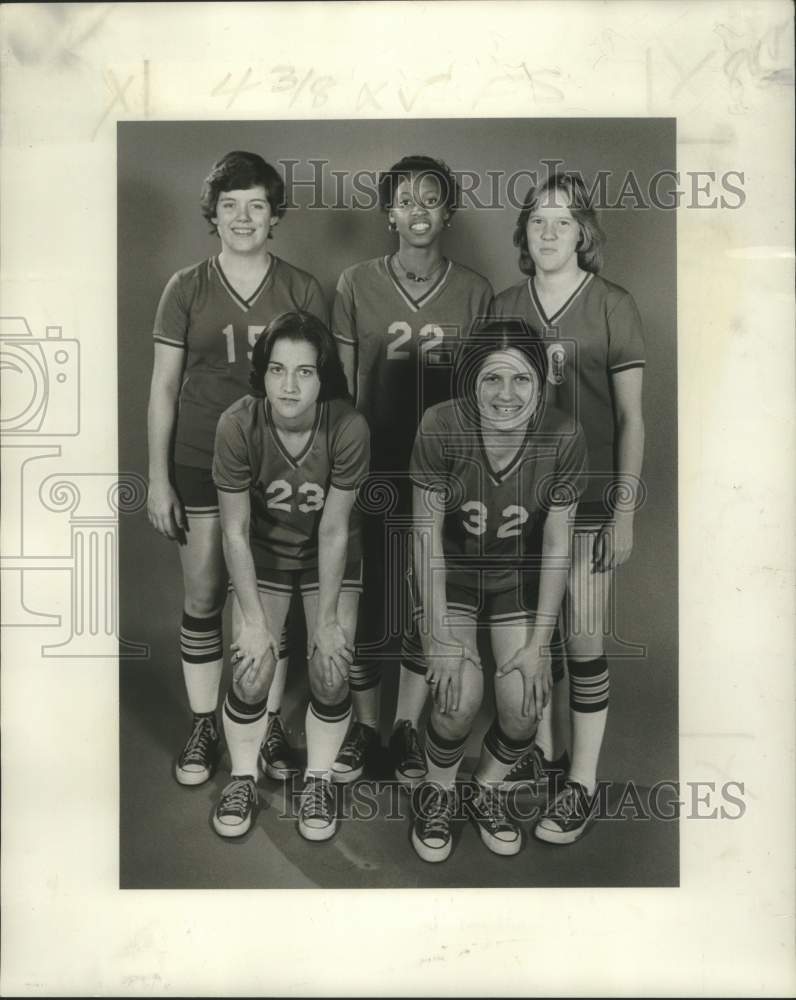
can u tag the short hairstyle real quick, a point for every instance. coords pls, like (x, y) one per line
(591, 238)
(239, 171)
(486, 338)
(301, 325)
(418, 166)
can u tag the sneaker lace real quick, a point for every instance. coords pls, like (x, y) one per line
(275, 739)
(356, 740)
(567, 804)
(198, 744)
(236, 795)
(438, 810)
(317, 799)
(532, 758)
(492, 805)
(413, 753)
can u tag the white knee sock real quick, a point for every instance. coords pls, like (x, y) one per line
(326, 726)
(202, 661)
(244, 729)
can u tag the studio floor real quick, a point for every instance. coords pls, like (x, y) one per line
(167, 841)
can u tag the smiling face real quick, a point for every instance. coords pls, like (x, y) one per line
(418, 210)
(553, 235)
(291, 381)
(244, 219)
(508, 390)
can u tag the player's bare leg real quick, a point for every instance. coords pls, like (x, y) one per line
(327, 721)
(588, 595)
(434, 800)
(201, 642)
(277, 758)
(552, 733)
(406, 755)
(245, 721)
(508, 740)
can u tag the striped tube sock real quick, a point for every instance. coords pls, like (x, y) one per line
(499, 753)
(244, 729)
(202, 661)
(588, 703)
(326, 726)
(443, 756)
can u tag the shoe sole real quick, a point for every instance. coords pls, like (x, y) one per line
(228, 831)
(505, 848)
(408, 780)
(524, 785)
(409, 784)
(431, 854)
(277, 773)
(317, 833)
(192, 777)
(559, 836)
(346, 777)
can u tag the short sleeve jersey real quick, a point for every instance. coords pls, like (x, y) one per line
(405, 346)
(596, 333)
(201, 313)
(493, 517)
(288, 492)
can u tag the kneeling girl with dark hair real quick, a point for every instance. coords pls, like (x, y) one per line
(287, 468)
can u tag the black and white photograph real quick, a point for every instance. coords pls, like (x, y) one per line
(396, 418)
(406, 270)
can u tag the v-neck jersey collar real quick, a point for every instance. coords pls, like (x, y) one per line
(294, 460)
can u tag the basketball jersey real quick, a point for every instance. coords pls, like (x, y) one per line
(288, 492)
(596, 333)
(201, 313)
(493, 517)
(405, 346)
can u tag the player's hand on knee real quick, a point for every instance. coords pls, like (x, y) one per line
(333, 651)
(534, 664)
(164, 510)
(447, 653)
(254, 655)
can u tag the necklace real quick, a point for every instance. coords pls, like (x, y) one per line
(412, 276)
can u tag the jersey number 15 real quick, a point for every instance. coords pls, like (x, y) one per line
(229, 335)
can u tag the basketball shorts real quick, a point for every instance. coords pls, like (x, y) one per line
(471, 603)
(196, 490)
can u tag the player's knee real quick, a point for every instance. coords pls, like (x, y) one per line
(202, 600)
(328, 690)
(451, 725)
(514, 724)
(251, 691)
(460, 719)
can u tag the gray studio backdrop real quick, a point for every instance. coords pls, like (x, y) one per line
(160, 229)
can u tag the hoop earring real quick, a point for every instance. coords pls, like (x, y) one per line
(392, 226)
(446, 224)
